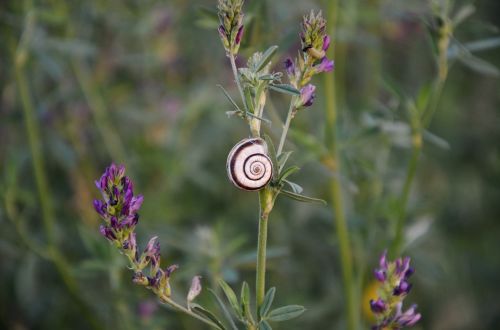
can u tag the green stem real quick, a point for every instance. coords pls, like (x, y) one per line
(289, 118)
(266, 202)
(427, 114)
(48, 217)
(34, 141)
(336, 191)
(180, 308)
(253, 122)
(410, 175)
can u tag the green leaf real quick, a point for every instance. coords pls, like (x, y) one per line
(231, 297)
(264, 325)
(480, 65)
(268, 301)
(245, 302)
(289, 171)
(269, 77)
(295, 187)
(207, 314)
(283, 158)
(463, 13)
(302, 198)
(229, 98)
(459, 49)
(285, 88)
(259, 118)
(272, 154)
(423, 98)
(285, 313)
(249, 101)
(226, 313)
(266, 58)
(436, 140)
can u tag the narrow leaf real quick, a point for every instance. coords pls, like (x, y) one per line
(268, 301)
(285, 313)
(289, 171)
(231, 297)
(266, 58)
(249, 101)
(229, 98)
(302, 198)
(463, 13)
(267, 77)
(208, 315)
(264, 325)
(245, 302)
(480, 65)
(267, 121)
(295, 187)
(285, 88)
(272, 154)
(283, 158)
(224, 310)
(436, 140)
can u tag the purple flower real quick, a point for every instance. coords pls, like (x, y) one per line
(170, 269)
(100, 208)
(326, 42)
(130, 244)
(408, 318)
(290, 67)
(402, 289)
(325, 65)
(119, 207)
(222, 31)
(307, 95)
(107, 232)
(383, 260)
(239, 34)
(152, 249)
(394, 289)
(378, 306)
(379, 275)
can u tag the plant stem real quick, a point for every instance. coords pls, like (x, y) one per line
(410, 175)
(236, 79)
(48, 217)
(427, 114)
(289, 117)
(254, 123)
(187, 311)
(336, 190)
(266, 202)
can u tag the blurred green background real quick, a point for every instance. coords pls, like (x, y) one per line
(84, 83)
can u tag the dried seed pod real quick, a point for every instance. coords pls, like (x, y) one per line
(248, 166)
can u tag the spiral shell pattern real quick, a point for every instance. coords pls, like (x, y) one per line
(248, 166)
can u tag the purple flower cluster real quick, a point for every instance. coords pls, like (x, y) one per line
(387, 308)
(313, 59)
(119, 209)
(230, 24)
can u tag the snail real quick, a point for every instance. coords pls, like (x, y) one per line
(248, 166)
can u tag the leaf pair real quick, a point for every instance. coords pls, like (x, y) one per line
(280, 175)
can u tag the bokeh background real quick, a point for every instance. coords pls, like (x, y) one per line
(84, 83)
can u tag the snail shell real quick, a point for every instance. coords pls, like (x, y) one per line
(248, 166)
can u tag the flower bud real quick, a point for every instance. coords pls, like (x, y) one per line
(307, 95)
(195, 289)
